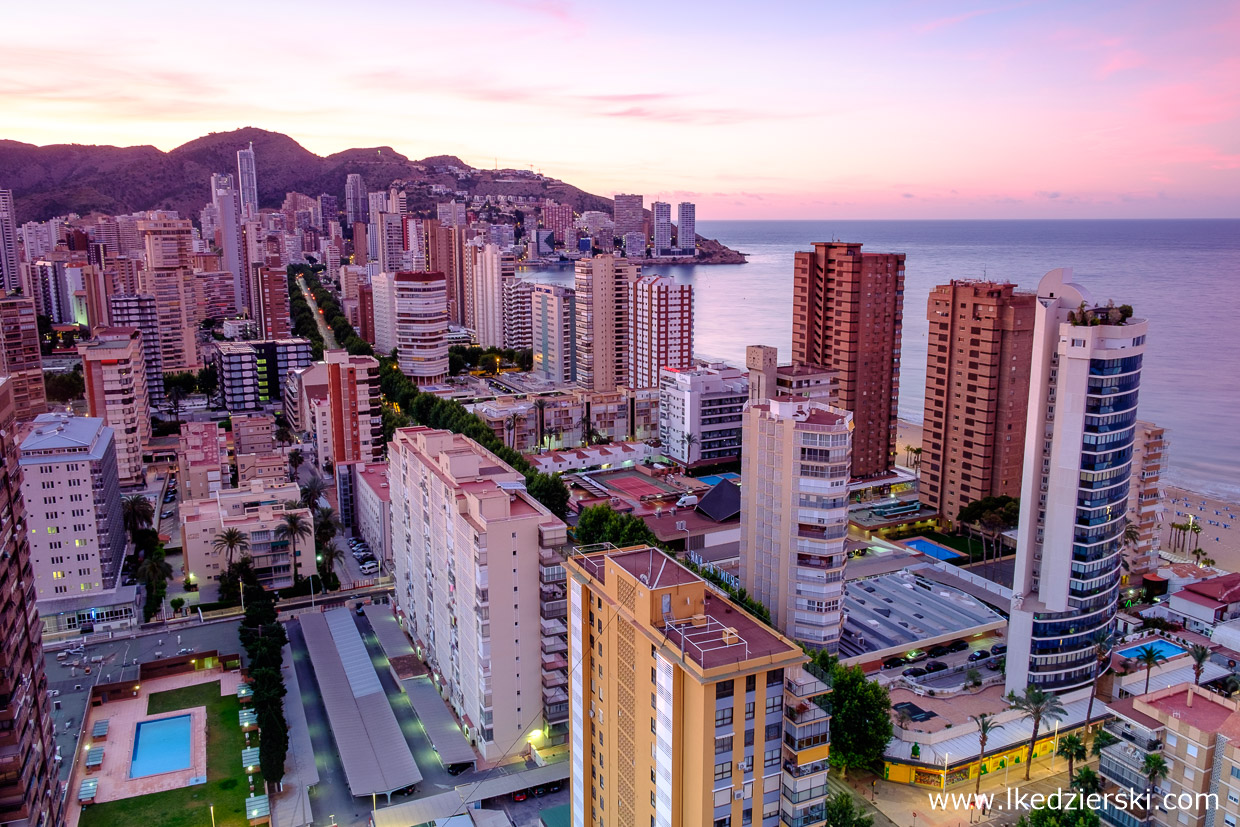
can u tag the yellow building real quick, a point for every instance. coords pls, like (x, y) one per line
(734, 736)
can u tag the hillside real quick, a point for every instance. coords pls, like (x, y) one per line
(55, 180)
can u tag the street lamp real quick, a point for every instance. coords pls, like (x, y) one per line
(946, 756)
(318, 559)
(212, 806)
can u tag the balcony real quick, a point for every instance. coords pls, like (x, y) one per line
(798, 771)
(1140, 738)
(554, 678)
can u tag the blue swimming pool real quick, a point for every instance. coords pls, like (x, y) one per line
(715, 479)
(931, 548)
(1164, 648)
(161, 746)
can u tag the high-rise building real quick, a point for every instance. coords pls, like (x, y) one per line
(257, 511)
(602, 285)
(229, 215)
(456, 509)
(20, 357)
(1145, 497)
(271, 302)
(247, 180)
(1083, 386)
(701, 412)
(847, 315)
(492, 268)
(10, 273)
(553, 322)
(366, 312)
(977, 393)
(114, 368)
(202, 460)
(518, 333)
(393, 256)
(794, 514)
(355, 204)
(558, 218)
(169, 245)
(686, 228)
(451, 214)
(724, 744)
(661, 234)
(660, 329)
(328, 212)
(30, 788)
(629, 215)
(353, 399)
(445, 254)
(139, 311)
(252, 374)
(411, 316)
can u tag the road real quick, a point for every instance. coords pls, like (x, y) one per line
(329, 338)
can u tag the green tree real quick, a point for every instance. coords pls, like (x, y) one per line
(328, 558)
(1149, 657)
(64, 387)
(1072, 748)
(208, 381)
(842, 811)
(1102, 661)
(177, 386)
(985, 726)
(137, 512)
(294, 525)
(229, 542)
(326, 525)
(312, 490)
(177, 603)
(1086, 781)
(1038, 706)
(551, 491)
(1047, 817)
(295, 460)
(1200, 656)
(860, 720)
(1102, 740)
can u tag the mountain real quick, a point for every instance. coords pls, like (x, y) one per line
(55, 180)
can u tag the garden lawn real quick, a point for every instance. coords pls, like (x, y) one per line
(190, 807)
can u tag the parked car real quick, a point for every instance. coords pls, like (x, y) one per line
(994, 664)
(457, 769)
(166, 514)
(933, 666)
(915, 656)
(913, 672)
(980, 654)
(940, 650)
(554, 786)
(893, 663)
(519, 795)
(958, 646)
(171, 497)
(999, 649)
(369, 567)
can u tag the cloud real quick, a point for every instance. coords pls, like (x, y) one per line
(1045, 194)
(908, 195)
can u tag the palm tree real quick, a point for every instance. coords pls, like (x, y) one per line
(295, 460)
(985, 725)
(1207, 562)
(312, 491)
(154, 569)
(917, 458)
(689, 441)
(326, 525)
(1102, 659)
(540, 406)
(283, 435)
(1102, 740)
(993, 525)
(329, 557)
(1149, 657)
(510, 426)
(230, 541)
(1072, 748)
(1155, 768)
(1200, 655)
(1037, 706)
(1231, 685)
(292, 526)
(138, 513)
(1086, 781)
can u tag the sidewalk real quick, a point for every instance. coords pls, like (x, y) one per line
(291, 806)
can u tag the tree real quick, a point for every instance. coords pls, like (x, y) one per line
(1102, 660)
(292, 526)
(1149, 657)
(860, 720)
(1072, 748)
(1102, 740)
(229, 542)
(1049, 817)
(689, 441)
(326, 525)
(137, 512)
(1038, 706)
(177, 386)
(551, 491)
(985, 726)
(1200, 656)
(208, 381)
(510, 427)
(312, 490)
(64, 387)
(328, 558)
(841, 811)
(295, 460)
(1086, 781)
(177, 603)
(540, 409)
(283, 435)
(1155, 769)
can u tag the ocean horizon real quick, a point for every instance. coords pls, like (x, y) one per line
(1181, 274)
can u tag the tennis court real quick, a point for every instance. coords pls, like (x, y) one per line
(633, 483)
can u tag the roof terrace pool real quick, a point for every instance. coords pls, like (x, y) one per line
(1165, 648)
(931, 548)
(160, 746)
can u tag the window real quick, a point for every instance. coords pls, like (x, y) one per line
(1191, 750)
(726, 821)
(771, 758)
(751, 683)
(775, 676)
(724, 689)
(723, 717)
(723, 745)
(723, 770)
(749, 711)
(774, 705)
(1171, 739)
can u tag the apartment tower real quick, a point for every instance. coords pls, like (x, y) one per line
(686, 228)
(30, 790)
(271, 302)
(169, 244)
(115, 373)
(661, 234)
(794, 514)
(247, 179)
(553, 322)
(1146, 508)
(353, 397)
(138, 311)
(463, 530)
(1083, 387)
(977, 393)
(602, 284)
(10, 271)
(847, 315)
(630, 215)
(660, 329)
(411, 316)
(20, 357)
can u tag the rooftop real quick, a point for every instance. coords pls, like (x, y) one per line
(59, 433)
(1194, 706)
(1224, 589)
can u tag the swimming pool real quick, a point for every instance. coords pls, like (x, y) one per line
(931, 548)
(161, 746)
(715, 479)
(1164, 649)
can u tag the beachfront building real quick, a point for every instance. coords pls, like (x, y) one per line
(977, 393)
(1145, 497)
(602, 286)
(660, 329)
(794, 514)
(465, 531)
(734, 736)
(258, 512)
(700, 413)
(1086, 374)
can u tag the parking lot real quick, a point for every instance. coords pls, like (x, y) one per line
(954, 664)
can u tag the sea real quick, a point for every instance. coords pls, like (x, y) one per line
(1181, 275)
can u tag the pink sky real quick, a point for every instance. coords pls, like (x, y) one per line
(778, 110)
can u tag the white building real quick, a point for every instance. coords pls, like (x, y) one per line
(796, 462)
(228, 216)
(701, 413)
(662, 232)
(411, 316)
(463, 531)
(660, 328)
(492, 267)
(518, 334)
(553, 334)
(247, 180)
(1074, 486)
(686, 228)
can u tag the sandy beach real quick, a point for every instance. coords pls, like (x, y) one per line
(1219, 518)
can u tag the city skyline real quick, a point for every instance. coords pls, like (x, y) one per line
(1108, 115)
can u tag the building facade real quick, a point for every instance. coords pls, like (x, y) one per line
(138, 310)
(21, 358)
(602, 286)
(794, 515)
(701, 414)
(202, 460)
(847, 315)
(660, 329)
(977, 393)
(1083, 389)
(661, 232)
(411, 316)
(553, 323)
(1146, 507)
(353, 397)
(114, 368)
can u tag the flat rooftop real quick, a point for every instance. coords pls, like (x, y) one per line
(903, 609)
